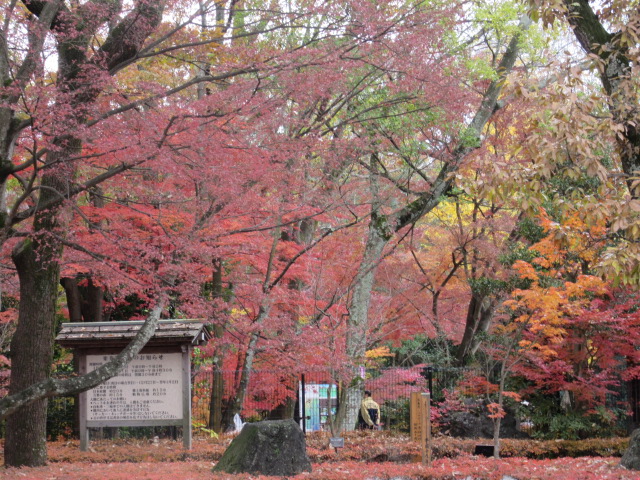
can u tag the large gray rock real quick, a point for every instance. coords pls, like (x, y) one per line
(631, 458)
(272, 447)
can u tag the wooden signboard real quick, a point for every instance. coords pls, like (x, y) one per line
(154, 389)
(150, 387)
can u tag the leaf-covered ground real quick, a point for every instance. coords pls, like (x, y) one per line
(365, 456)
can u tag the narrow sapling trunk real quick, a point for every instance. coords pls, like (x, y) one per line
(496, 438)
(263, 314)
(498, 420)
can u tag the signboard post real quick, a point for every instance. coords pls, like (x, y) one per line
(420, 423)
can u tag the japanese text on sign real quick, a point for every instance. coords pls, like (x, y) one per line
(149, 388)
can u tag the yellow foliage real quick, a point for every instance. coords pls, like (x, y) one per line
(378, 352)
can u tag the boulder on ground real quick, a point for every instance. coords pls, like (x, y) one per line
(631, 458)
(272, 447)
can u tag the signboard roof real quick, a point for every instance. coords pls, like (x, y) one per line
(101, 334)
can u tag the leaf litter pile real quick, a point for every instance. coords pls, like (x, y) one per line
(366, 456)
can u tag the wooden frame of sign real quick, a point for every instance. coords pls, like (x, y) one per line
(153, 390)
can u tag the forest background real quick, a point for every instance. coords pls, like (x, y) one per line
(322, 181)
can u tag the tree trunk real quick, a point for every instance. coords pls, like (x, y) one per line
(216, 403)
(32, 350)
(615, 74)
(358, 326)
(469, 329)
(479, 316)
(484, 322)
(217, 395)
(498, 421)
(84, 302)
(238, 403)
(496, 437)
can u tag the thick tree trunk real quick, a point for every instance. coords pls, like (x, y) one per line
(358, 326)
(479, 316)
(37, 259)
(615, 73)
(85, 302)
(469, 329)
(32, 350)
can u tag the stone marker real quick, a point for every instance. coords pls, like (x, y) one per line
(631, 458)
(272, 447)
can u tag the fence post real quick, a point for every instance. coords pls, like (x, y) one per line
(425, 428)
(302, 404)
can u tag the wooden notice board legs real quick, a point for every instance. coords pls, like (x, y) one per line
(186, 397)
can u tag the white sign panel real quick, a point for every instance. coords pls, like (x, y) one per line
(149, 388)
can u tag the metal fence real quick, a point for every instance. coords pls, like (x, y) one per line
(309, 398)
(312, 397)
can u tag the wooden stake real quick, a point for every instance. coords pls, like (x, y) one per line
(425, 428)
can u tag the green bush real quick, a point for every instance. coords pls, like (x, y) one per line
(551, 421)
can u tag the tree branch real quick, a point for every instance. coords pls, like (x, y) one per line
(471, 141)
(52, 387)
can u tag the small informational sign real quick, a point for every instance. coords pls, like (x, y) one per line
(415, 417)
(321, 399)
(150, 387)
(336, 442)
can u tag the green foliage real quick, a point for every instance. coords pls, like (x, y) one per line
(422, 349)
(518, 252)
(485, 286)
(201, 427)
(530, 229)
(60, 417)
(132, 306)
(572, 180)
(551, 421)
(396, 415)
(469, 138)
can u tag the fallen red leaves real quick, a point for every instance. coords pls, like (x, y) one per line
(374, 457)
(466, 467)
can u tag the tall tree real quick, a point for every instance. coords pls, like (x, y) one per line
(56, 149)
(383, 226)
(609, 34)
(36, 259)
